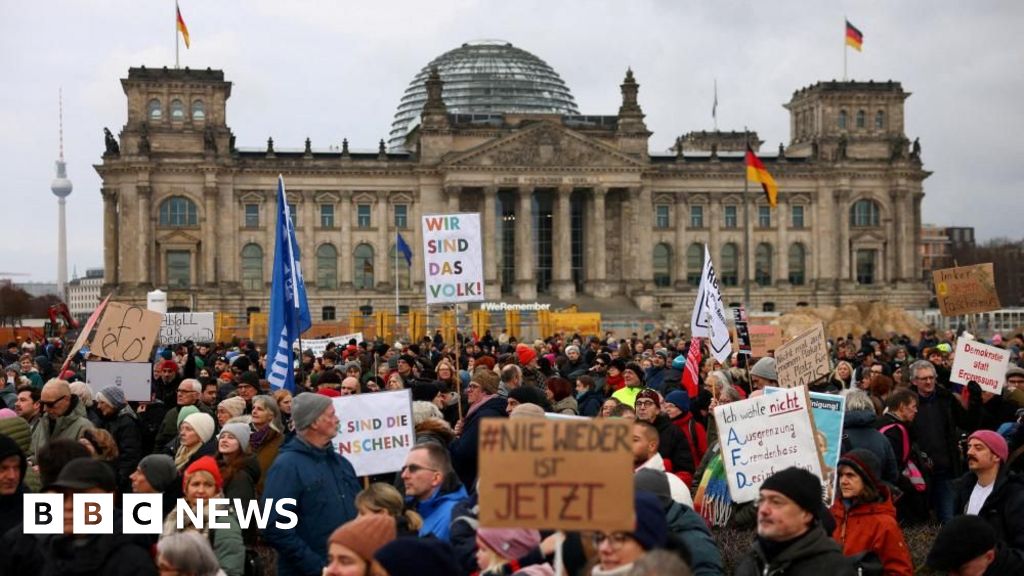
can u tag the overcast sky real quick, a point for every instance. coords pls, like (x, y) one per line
(335, 69)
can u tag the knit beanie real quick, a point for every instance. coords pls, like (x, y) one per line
(159, 471)
(307, 407)
(202, 423)
(365, 535)
(649, 394)
(7, 413)
(8, 448)
(636, 369)
(679, 362)
(205, 464)
(995, 442)
(405, 556)
(184, 412)
(525, 353)
(651, 525)
(680, 399)
(112, 395)
(527, 411)
(168, 365)
(239, 432)
(765, 368)
(961, 540)
(425, 391)
(798, 485)
(235, 406)
(654, 482)
(529, 394)
(865, 464)
(572, 348)
(509, 543)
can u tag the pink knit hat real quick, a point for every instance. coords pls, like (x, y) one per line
(995, 442)
(509, 543)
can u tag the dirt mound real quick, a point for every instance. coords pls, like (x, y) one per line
(855, 318)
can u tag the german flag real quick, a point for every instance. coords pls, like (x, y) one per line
(181, 25)
(756, 172)
(853, 37)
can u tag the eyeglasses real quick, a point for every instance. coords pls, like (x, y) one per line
(643, 403)
(472, 385)
(52, 403)
(185, 391)
(615, 539)
(414, 468)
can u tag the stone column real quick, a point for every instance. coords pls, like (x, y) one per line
(111, 228)
(893, 247)
(271, 212)
(679, 250)
(643, 232)
(562, 286)
(781, 255)
(526, 282)
(488, 224)
(416, 243)
(843, 272)
(226, 237)
(306, 215)
(627, 242)
(713, 222)
(346, 221)
(453, 193)
(918, 196)
(210, 234)
(597, 267)
(145, 263)
(383, 263)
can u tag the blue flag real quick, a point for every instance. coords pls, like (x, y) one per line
(289, 310)
(404, 249)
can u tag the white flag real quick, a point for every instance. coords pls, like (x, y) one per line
(708, 319)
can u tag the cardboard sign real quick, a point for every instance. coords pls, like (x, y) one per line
(556, 474)
(763, 435)
(376, 430)
(318, 347)
(982, 363)
(803, 359)
(453, 258)
(764, 339)
(966, 289)
(178, 327)
(126, 333)
(133, 378)
(827, 411)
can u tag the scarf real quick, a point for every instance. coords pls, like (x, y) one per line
(261, 437)
(712, 501)
(476, 405)
(181, 457)
(615, 383)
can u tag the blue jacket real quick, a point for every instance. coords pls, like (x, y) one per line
(437, 512)
(590, 403)
(324, 486)
(655, 378)
(464, 448)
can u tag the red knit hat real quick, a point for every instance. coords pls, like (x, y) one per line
(525, 353)
(205, 464)
(168, 365)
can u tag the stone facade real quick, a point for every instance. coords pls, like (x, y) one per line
(571, 205)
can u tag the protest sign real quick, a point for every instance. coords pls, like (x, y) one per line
(763, 435)
(803, 359)
(531, 474)
(827, 411)
(83, 336)
(764, 339)
(178, 327)
(453, 258)
(982, 363)
(318, 347)
(126, 333)
(582, 323)
(739, 319)
(133, 378)
(376, 431)
(966, 289)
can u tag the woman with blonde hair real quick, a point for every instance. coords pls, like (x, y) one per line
(380, 498)
(842, 375)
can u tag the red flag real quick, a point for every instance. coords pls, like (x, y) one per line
(691, 373)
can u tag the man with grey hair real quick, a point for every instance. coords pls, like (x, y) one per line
(63, 415)
(859, 432)
(940, 417)
(511, 378)
(189, 393)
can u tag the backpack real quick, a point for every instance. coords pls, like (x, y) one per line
(910, 469)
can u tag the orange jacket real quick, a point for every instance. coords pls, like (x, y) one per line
(873, 527)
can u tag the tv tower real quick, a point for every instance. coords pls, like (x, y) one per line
(61, 188)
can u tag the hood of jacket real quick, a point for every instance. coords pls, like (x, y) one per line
(859, 419)
(440, 497)
(812, 544)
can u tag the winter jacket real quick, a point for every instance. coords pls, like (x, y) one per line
(324, 486)
(464, 448)
(935, 427)
(679, 490)
(706, 559)
(696, 436)
(437, 511)
(627, 395)
(8, 395)
(86, 555)
(71, 425)
(589, 403)
(1003, 509)
(124, 427)
(674, 447)
(872, 527)
(859, 428)
(813, 554)
(654, 377)
(242, 484)
(266, 455)
(566, 405)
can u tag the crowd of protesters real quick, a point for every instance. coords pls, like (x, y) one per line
(916, 448)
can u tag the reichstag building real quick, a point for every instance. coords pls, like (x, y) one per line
(575, 207)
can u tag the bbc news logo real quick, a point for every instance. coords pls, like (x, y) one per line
(144, 513)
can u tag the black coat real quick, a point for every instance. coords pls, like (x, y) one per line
(124, 427)
(813, 554)
(673, 445)
(59, 555)
(1003, 509)
(590, 403)
(464, 448)
(940, 418)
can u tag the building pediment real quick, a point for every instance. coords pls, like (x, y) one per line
(178, 237)
(544, 145)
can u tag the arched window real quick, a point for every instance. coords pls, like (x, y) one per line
(404, 280)
(860, 119)
(763, 265)
(864, 214)
(694, 263)
(797, 256)
(327, 267)
(252, 267)
(880, 120)
(177, 110)
(198, 110)
(662, 259)
(154, 110)
(730, 265)
(178, 211)
(842, 119)
(362, 276)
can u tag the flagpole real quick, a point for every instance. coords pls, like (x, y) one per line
(844, 48)
(714, 108)
(176, 39)
(746, 231)
(396, 284)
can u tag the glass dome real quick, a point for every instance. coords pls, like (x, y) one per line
(482, 77)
